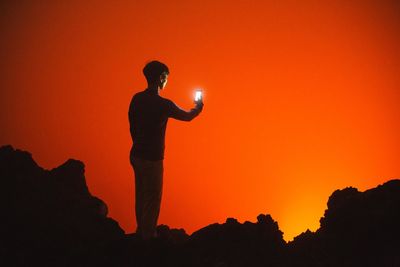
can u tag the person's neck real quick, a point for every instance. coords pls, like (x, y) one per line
(153, 88)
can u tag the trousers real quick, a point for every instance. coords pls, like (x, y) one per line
(148, 193)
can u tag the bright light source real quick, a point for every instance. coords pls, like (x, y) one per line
(198, 95)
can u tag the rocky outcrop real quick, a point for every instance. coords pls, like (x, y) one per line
(49, 218)
(239, 244)
(49, 215)
(358, 229)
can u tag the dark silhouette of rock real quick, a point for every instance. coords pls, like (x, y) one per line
(236, 244)
(175, 236)
(358, 229)
(228, 244)
(49, 218)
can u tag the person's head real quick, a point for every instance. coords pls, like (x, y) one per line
(156, 73)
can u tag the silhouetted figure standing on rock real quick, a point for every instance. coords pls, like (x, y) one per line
(148, 117)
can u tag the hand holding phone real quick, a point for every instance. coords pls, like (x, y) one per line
(198, 96)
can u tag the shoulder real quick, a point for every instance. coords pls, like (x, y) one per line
(135, 101)
(138, 97)
(167, 102)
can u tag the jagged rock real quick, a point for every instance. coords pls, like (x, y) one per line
(358, 229)
(174, 236)
(236, 244)
(49, 218)
(49, 214)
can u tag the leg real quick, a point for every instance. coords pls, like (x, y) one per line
(139, 176)
(148, 181)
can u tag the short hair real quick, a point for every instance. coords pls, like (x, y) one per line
(153, 70)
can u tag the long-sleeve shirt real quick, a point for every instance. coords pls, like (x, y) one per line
(148, 117)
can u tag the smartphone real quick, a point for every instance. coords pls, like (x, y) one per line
(198, 96)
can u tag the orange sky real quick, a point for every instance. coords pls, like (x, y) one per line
(301, 98)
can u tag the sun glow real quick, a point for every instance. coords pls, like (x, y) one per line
(302, 99)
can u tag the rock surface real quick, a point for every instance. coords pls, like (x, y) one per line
(49, 218)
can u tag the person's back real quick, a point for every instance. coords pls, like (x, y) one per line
(148, 117)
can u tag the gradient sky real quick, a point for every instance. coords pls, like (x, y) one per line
(301, 98)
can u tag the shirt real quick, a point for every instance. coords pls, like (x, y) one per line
(148, 117)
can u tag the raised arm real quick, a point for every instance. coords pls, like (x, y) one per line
(183, 115)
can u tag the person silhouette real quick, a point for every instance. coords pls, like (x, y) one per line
(148, 117)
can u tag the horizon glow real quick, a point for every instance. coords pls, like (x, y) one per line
(302, 99)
